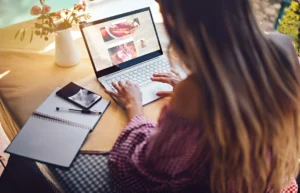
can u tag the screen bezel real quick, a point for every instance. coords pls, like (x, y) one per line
(127, 64)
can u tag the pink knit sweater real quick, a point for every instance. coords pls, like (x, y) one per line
(159, 158)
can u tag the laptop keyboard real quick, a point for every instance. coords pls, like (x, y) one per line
(141, 75)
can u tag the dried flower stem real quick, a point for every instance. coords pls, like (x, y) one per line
(47, 22)
(42, 2)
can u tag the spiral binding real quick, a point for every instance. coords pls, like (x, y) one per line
(56, 119)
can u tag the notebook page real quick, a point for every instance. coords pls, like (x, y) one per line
(48, 141)
(49, 107)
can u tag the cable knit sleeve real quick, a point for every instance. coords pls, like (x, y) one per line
(154, 157)
(130, 145)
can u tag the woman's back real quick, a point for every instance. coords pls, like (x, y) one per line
(186, 102)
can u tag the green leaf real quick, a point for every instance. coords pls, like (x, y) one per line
(18, 32)
(31, 36)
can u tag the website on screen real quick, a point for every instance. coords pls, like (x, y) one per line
(121, 40)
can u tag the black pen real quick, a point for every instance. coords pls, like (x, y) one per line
(83, 111)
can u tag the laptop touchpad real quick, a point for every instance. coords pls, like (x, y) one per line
(149, 91)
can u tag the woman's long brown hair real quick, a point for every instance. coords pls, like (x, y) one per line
(250, 93)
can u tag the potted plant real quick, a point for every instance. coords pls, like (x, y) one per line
(290, 23)
(60, 23)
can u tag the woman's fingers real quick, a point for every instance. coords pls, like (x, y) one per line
(162, 75)
(164, 93)
(111, 93)
(168, 75)
(161, 79)
(116, 86)
(129, 83)
(176, 79)
(121, 85)
(175, 72)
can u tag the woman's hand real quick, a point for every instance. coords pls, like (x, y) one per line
(130, 96)
(172, 78)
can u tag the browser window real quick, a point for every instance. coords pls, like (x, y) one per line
(121, 40)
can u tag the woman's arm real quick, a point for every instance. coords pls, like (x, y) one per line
(147, 156)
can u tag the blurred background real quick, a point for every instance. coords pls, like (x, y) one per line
(15, 11)
(267, 12)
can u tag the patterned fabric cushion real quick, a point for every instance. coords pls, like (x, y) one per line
(88, 173)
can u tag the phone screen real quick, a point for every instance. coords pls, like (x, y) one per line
(78, 95)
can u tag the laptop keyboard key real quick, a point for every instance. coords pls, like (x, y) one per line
(142, 75)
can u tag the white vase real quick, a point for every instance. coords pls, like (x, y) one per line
(66, 52)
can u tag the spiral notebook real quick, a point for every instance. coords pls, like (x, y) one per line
(55, 137)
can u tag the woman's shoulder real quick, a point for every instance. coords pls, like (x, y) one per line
(186, 99)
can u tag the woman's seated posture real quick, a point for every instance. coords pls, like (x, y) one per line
(232, 125)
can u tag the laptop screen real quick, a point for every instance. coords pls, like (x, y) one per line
(120, 40)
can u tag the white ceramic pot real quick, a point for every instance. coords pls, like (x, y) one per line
(66, 52)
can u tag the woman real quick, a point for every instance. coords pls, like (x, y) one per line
(232, 125)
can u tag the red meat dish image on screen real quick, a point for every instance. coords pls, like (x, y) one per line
(120, 29)
(122, 53)
(105, 35)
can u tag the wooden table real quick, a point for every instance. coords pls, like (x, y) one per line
(28, 75)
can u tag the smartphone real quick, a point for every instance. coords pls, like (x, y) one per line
(78, 95)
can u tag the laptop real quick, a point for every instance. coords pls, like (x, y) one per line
(127, 47)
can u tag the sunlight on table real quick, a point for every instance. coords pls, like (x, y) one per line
(4, 74)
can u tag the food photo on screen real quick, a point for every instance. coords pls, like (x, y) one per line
(105, 35)
(119, 30)
(142, 43)
(122, 53)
